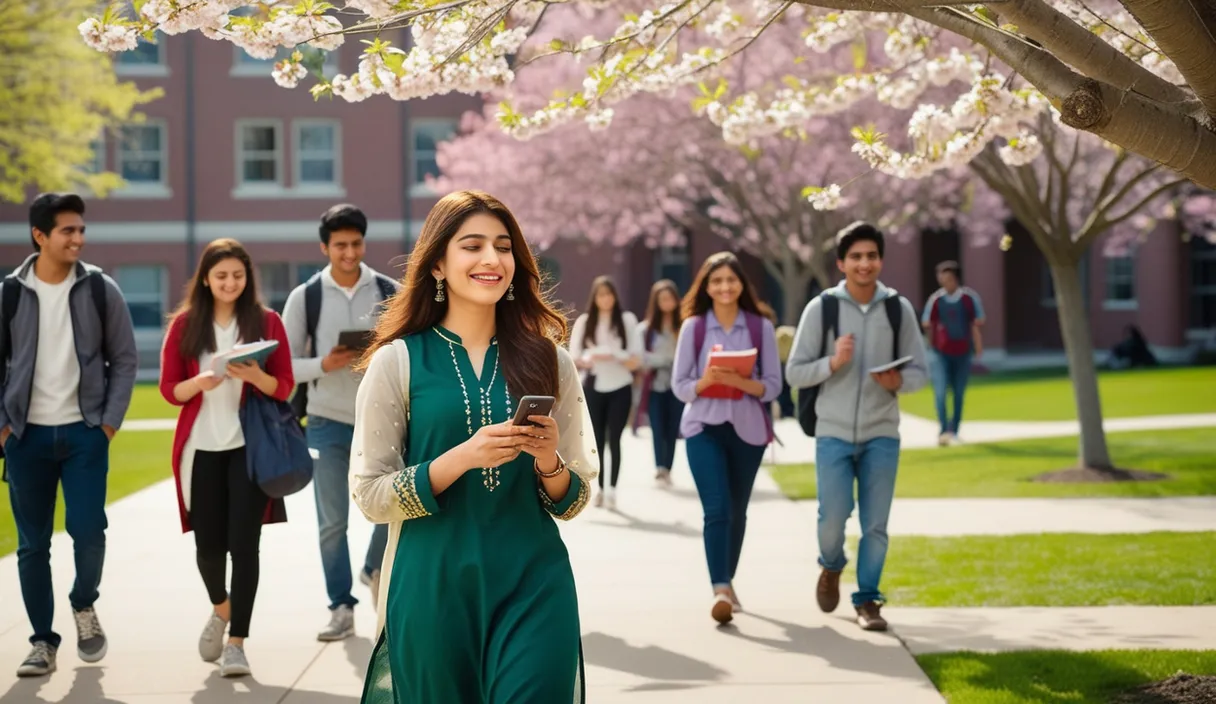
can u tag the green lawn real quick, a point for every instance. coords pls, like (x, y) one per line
(146, 403)
(1005, 469)
(1047, 395)
(1055, 676)
(137, 460)
(1054, 569)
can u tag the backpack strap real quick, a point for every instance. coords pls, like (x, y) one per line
(10, 296)
(830, 313)
(895, 316)
(388, 287)
(97, 286)
(755, 329)
(698, 338)
(312, 311)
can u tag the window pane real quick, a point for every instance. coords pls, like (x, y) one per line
(304, 272)
(144, 53)
(141, 170)
(142, 288)
(317, 138)
(98, 164)
(317, 170)
(146, 315)
(259, 139)
(424, 166)
(144, 138)
(259, 171)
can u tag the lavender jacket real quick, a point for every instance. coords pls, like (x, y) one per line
(745, 414)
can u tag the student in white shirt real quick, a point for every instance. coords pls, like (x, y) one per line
(606, 345)
(659, 332)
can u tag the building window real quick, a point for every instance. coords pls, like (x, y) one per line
(260, 154)
(1203, 284)
(143, 288)
(245, 65)
(425, 138)
(671, 262)
(98, 164)
(1120, 282)
(304, 272)
(146, 59)
(141, 154)
(274, 283)
(317, 150)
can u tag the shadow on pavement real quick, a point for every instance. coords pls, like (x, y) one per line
(86, 689)
(217, 690)
(634, 523)
(758, 496)
(673, 670)
(359, 654)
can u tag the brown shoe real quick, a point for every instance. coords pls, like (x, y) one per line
(722, 611)
(869, 617)
(827, 592)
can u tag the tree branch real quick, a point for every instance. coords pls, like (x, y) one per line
(1185, 31)
(1163, 188)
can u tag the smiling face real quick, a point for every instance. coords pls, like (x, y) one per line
(479, 263)
(668, 301)
(724, 286)
(605, 299)
(345, 251)
(862, 264)
(227, 280)
(63, 243)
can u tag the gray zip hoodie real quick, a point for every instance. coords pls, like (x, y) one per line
(851, 405)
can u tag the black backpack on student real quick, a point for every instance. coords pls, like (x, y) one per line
(10, 296)
(831, 321)
(312, 316)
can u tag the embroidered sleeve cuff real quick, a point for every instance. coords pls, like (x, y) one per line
(412, 486)
(571, 504)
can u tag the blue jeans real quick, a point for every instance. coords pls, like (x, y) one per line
(665, 411)
(45, 456)
(873, 466)
(331, 441)
(724, 469)
(950, 371)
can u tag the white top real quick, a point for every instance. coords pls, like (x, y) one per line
(54, 397)
(610, 374)
(218, 426)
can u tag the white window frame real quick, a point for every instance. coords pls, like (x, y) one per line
(331, 188)
(258, 187)
(159, 189)
(156, 70)
(420, 188)
(130, 297)
(1109, 303)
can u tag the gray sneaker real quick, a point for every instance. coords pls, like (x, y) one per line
(90, 639)
(40, 661)
(233, 662)
(341, 625)
(211, 642)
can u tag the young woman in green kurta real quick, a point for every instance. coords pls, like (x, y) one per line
(480, 605)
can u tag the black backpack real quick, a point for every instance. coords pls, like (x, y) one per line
(831, 321)
(312, 316)
(10, 297)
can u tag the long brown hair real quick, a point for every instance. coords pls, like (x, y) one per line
(697, 301)
(593, 310)
(198, 304)
(529, 329)
(654, 316)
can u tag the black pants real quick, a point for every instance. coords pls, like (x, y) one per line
(609, 414)
(226, 511)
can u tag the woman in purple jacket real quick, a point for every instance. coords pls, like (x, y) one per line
(727, 423)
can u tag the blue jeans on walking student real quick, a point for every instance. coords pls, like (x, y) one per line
(78, 457)
(664, 411)
(724, 469)
(872, 466)
(950, 372)
(331, 441)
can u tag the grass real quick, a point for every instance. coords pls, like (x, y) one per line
(1048, 395)
(147, 403)
(1055, 569)
(1005, 469)
(137, 460)
(1055, 676)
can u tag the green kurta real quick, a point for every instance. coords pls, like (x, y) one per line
(481, 605)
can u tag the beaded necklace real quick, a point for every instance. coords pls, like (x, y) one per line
(490, 475)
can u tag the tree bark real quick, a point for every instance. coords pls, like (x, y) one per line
(1078, 348)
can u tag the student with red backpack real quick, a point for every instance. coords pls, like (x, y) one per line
(953, 316)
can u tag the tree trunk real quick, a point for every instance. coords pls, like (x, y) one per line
(1079, 349)
(793, 289)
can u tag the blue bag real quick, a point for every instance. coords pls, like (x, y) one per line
(276, 452)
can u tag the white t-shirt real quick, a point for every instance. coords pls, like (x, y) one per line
(610, 374)
(55, 396)
(218, 426)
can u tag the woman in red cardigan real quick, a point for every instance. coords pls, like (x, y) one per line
(215, 495)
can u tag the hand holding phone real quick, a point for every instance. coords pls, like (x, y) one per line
(533, 406)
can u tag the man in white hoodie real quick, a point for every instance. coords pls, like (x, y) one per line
(857, 410)
(344, 296)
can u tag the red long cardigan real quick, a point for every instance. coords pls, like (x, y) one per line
(174, 369)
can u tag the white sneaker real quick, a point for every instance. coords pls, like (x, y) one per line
(610, 499)
(211, 642)
(341, 625)
(599, 499)
(234, 663)
(943, 439)
(40, 661)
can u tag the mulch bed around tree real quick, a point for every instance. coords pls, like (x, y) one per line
(1179, 689)
(1090, 475)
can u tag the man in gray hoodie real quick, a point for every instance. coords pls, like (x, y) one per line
(857, 431)
(344, 296)
(67, 369)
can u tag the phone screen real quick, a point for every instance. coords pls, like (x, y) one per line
(533, 406)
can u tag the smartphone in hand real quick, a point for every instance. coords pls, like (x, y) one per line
(533, 406)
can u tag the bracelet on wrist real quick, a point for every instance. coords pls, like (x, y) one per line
(561, 467)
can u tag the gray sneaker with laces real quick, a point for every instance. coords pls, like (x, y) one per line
(233, 662)
(211, 642)
(40, 661)
(91, 643)
(341, 625)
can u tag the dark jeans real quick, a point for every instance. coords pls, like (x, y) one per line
(724, 468)
(78, 457)
(665, 411)
(950, 372)
(609, 414)
(226, 511)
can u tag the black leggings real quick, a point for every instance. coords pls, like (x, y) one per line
(226, 511)
(609, 414)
